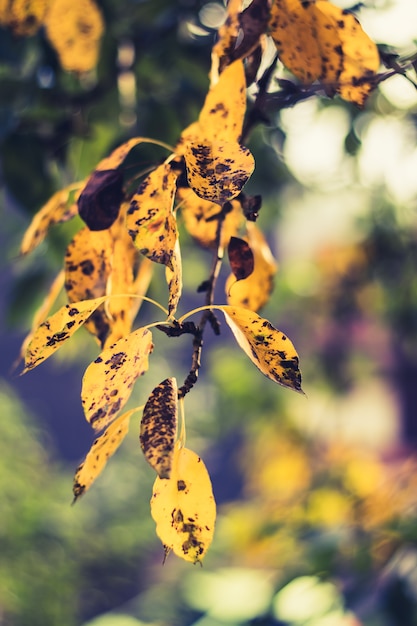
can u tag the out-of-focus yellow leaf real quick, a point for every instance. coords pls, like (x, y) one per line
(120, 153)
(108, 381)
(173, 274)
(268, 348)
(42, 312)
(101, 450)
(59, 208)
(74, 30)
(24, 17)
(158, 427)
(319, 41)
(55, 331)
(183, 507)
(201, 219)
(150, 219)
(254, 291)
(218, 171)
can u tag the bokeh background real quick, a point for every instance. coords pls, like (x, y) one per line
(317, 518)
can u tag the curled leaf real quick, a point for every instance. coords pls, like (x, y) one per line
(268, 348)
(101, 450)
(57, 329)
(99, 202)
(158, 427)
(241, 258)
(108, 381)
(183, 507)
(173, 274)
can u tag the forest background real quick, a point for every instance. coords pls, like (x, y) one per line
(316, 494)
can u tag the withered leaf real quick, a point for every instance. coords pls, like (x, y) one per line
(99, 202)
(173, 274)
(268, 348)
(183, 507)
(101, 450)
(218, 171)
(241, 258)
(158, 427)
(108, 381)
(57, 329)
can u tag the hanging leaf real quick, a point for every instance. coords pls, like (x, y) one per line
(223, 112)
(218, 171)
(150, 220)
(120, 153)
(108, 381)
(183, 507)
(201, 219)
(42, 313)
(24, 17)
(57, 329)
(100, 200)
(319, 41)
(268, 348)
(254, 291)
(59, 208)
(158, 427)
(74, 29)
(241, 258)
(223, 50)
(102, 449)
(174, 279)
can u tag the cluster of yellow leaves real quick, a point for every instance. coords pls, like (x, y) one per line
(108, 264)
(74, 29)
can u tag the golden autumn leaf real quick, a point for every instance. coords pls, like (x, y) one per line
(319, 41)
(74, 30)
(183, 507)
(268, 348)
(201, 219)
(108, 381)
(253, 292)
(223, 50)
(101, 450)
(55, 331)
(158, 427)
(59, 208)
(150, 219)
(24, 17)
(217, 171)
(173, 274)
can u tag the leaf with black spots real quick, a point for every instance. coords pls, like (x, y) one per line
(57, 329)
(268, 348)
(158, 427)
(184, 508)
(150, 219)
(108, 381)
(100, 200)
(241, 258)
(101, 450)
(218, 171)
(173, 275)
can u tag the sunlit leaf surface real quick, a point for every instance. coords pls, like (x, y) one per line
(183, 507)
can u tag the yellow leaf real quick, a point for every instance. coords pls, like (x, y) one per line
(24, 17)
(183, 507)
(201, 222)
(74, 30)
(158, 427)
(319, 41)
(253, 292)
(223, 49)
(217, 171)
(268, 348)
(55, 331)
(108, 381)
(42, 312)
(150, 220)
(173, 274)
(120, 153)
(101, 450)
(221, 118)
(59, 208)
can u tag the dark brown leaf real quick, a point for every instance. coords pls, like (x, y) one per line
(240, 258)
(100, 201)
